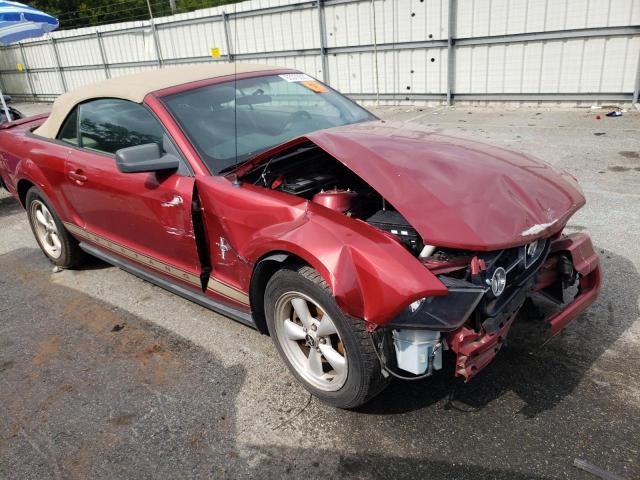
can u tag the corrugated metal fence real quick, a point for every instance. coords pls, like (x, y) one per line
(387, 50)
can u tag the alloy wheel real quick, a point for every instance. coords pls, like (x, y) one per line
(46, 229)
(311, 342)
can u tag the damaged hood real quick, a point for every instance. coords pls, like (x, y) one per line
(456, 192)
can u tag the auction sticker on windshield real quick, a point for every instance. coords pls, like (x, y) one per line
(295, 77)
(315, 86)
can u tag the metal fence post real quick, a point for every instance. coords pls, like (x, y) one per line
(56, 57)
(323, 42)
(636, 90)
(156, 42)
(227, 36)
(26, 71)
(375, 51)
(451, 51)
(103, 55)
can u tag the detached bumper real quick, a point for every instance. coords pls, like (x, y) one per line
(587, 264)
(475, 350)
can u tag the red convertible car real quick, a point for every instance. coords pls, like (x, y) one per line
(365, 249)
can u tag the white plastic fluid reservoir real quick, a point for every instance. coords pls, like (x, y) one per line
(413, 349)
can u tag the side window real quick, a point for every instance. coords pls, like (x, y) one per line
(107, 125)
(69, 131)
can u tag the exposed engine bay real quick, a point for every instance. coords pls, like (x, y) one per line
(485, 288)
(309, 172)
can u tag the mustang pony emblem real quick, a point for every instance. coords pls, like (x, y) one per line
(224, 248)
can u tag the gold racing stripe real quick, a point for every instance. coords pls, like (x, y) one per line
(215, 285)
(133, 255)
(227, 291)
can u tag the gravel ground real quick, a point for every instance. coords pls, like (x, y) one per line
(103, 375)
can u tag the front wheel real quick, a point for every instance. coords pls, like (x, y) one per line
(328, 352)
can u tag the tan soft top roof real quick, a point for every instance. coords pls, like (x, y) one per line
(136, 86)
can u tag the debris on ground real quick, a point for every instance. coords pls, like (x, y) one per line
(593, 470)
(614, 113)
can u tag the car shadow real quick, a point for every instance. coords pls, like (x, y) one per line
(540, 374)
(93, 263)
(9, 206)
(278, 462)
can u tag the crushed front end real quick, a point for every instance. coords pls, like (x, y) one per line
(487, 290)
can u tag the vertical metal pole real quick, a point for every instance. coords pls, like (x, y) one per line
(2, 102)
(227, 37)
(56, 57)
(323, 42)
(451, 51)
(150, 12)
(103, 55)
(26, 71)
(636, 89)
(5, 109)
(375, 51)
(156, 41)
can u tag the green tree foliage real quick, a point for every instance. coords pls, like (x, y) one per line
(83, 13)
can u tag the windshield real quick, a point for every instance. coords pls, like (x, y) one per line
(230, 122)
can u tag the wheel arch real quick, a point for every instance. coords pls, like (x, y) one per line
(264, 269)
(22, 187)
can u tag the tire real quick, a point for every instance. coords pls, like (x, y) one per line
(65, 252)
(348, 386)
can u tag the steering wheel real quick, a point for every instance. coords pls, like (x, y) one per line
(299, 116)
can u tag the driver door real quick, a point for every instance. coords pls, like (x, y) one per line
(143, 218)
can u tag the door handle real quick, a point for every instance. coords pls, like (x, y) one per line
(77, 177)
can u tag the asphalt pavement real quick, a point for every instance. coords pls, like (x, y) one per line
(103, 375)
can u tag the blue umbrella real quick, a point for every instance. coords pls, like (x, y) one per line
(19, 21)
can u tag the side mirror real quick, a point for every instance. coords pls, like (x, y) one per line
(145, 158)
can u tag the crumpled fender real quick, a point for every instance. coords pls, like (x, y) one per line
(371, 275)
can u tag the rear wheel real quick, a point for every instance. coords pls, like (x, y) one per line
(54, 239)
(328, 352)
